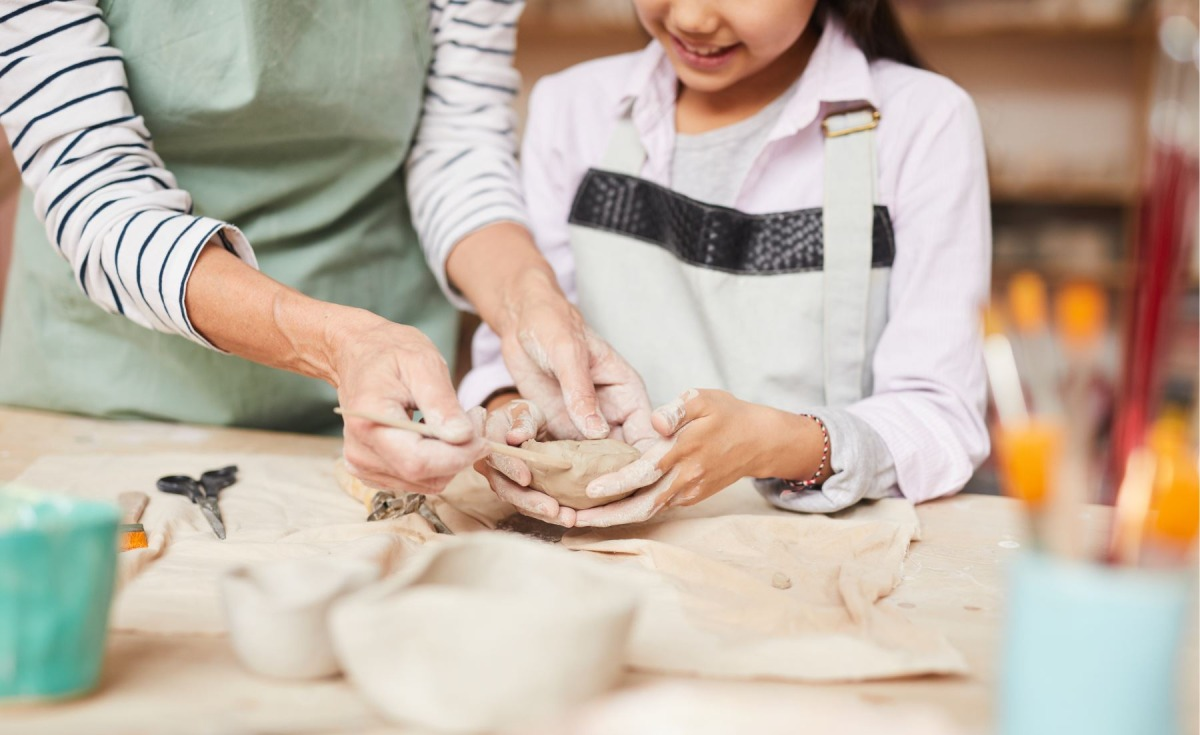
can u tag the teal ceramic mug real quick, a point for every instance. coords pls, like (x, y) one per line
(1093, 649)
(58, 559)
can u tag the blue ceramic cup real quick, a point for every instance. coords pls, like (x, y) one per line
(1093, 649)
(58, 559)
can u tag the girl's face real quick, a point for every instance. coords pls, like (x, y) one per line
(717, 44)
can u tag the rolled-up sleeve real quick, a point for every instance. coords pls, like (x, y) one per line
(930, 386)
(109, 205)
(462, 171)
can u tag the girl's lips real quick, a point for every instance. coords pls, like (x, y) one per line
(707, 61)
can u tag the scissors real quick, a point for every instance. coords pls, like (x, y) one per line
(203, 492)
(386, 505)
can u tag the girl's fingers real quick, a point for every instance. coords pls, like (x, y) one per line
(531, 502)
(643, 471)
(635, 509)
(512, 468)
(669, 418)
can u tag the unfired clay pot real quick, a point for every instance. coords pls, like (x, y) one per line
(485, 631)
(278, 613)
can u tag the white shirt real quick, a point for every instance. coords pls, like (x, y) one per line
(929, 381)
(98, 184)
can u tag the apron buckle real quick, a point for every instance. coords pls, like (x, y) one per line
(852, 119)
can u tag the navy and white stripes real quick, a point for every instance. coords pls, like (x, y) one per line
(462, 173)
(117, 215)
(109, 205)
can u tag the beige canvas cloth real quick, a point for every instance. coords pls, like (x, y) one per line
(716, 604)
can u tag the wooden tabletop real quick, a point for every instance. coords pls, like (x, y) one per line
(953, 582)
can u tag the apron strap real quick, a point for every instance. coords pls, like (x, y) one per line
(848, 221)
(625, 154)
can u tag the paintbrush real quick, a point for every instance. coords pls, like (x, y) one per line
(1133, 506)
(1081, 315)
(1033, 347)
(132, 534)
(428, 431)
(1028, 449)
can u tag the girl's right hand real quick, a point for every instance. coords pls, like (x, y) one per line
(515, 423)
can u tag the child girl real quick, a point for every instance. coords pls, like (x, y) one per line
(774, 210)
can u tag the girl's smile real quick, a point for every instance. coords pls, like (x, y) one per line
(703, 57)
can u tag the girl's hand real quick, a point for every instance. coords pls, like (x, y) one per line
(515, 423)
(709, 440)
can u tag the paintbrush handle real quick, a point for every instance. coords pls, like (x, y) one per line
(429, 431)
(132, 505)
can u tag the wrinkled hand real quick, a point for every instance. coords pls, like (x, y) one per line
(392, 370)
(515, 423)
(708, 440)
(585, 389)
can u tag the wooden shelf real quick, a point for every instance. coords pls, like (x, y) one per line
(1116, 275)
(544, 25)
(922, 24)
(1113, 193)
(977, 23)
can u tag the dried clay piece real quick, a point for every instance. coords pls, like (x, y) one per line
(589, 460)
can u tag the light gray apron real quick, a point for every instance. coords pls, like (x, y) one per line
(783, 309)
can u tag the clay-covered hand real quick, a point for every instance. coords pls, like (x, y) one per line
(393, 370)
(708, 440)
(585, 389)
(515, 423)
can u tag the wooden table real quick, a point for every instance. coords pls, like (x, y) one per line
(953, 582)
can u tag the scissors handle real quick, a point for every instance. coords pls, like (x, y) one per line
(214, 481)
(181, 485)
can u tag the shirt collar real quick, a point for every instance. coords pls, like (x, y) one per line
(837, 72)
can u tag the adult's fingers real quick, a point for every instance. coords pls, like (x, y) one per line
(428, 382)
(565, 355)
(390, 483)
(415, 458)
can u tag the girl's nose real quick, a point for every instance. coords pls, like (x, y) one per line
(695, 17)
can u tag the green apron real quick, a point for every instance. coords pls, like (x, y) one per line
(290, 119)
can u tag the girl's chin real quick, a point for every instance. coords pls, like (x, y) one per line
(705, 83)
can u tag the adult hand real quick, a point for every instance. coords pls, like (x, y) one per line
(709, 440)
(393, 370)
(585, 389)
(515, 423)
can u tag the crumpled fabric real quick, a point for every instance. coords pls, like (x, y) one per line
(717, 604)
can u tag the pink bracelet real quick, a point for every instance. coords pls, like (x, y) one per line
(816, 478)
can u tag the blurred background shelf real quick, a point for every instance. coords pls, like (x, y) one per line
(964, 20)
(1074, 190)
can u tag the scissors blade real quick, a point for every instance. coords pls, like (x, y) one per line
(213, 514)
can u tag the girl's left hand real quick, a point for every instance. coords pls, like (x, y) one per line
(709, 441)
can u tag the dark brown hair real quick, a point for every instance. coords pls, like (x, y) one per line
(874, 27)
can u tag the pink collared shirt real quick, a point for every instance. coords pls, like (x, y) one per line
(929, 381)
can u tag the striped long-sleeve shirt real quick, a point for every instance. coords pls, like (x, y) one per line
(117, 215)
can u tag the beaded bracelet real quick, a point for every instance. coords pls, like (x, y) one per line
(816, 478)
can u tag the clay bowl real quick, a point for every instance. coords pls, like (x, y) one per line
(484, 632)
(278, 613)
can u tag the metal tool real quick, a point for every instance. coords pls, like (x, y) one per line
(203, 492)
(384, 504)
